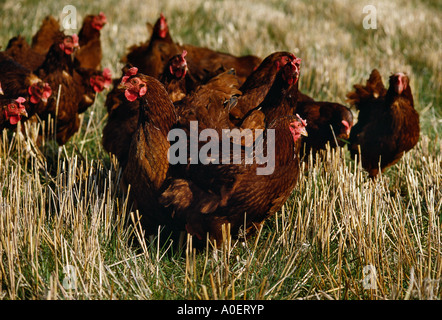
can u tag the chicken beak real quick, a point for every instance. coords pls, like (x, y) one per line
(304, 132)
(122, 86)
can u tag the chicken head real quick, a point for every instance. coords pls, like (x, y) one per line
(99, 21)
(163, 28)
(178, 66)
(284, 60)
(15, 110)
(101, 81)
(69, 44)
(297, 128)
(135, 88)
(39, 91)
(291, 74)
(399, 81)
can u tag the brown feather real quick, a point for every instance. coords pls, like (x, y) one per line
(44, 37)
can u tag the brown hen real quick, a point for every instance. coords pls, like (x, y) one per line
(147, 164)
(329, 123)
(11, 112)
(257, 85)
(388, 124)
(18, 81)
(73, 90)
(151, 57)
(19, 50)
(90, 53)
(176, 77)
(44, 37)
(122, 119)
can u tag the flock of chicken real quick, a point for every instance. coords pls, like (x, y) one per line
(50, 79)
(164, 86)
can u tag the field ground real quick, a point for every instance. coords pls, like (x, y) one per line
(63, 230)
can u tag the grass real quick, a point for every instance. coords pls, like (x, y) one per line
(63, 216)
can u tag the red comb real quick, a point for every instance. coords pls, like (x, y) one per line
(131, 72)
(20, 100)
(296, 61)
(304, 122)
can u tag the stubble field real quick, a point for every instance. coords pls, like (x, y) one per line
(63, 221)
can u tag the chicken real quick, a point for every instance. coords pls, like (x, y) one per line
(59, 72)
(388, 124)
(11, 112)
(18, 81)
(151, 57)
(89, 54)
(44, 37)
(147, 164)
(329, 122)
(176, 78)
(257, 85)
(281, 93)
(202, 197)
(122, 119)
(92, 82)
(286, 102)
(101, 80)
(180, 82)
(19, 50)
(33, 56)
